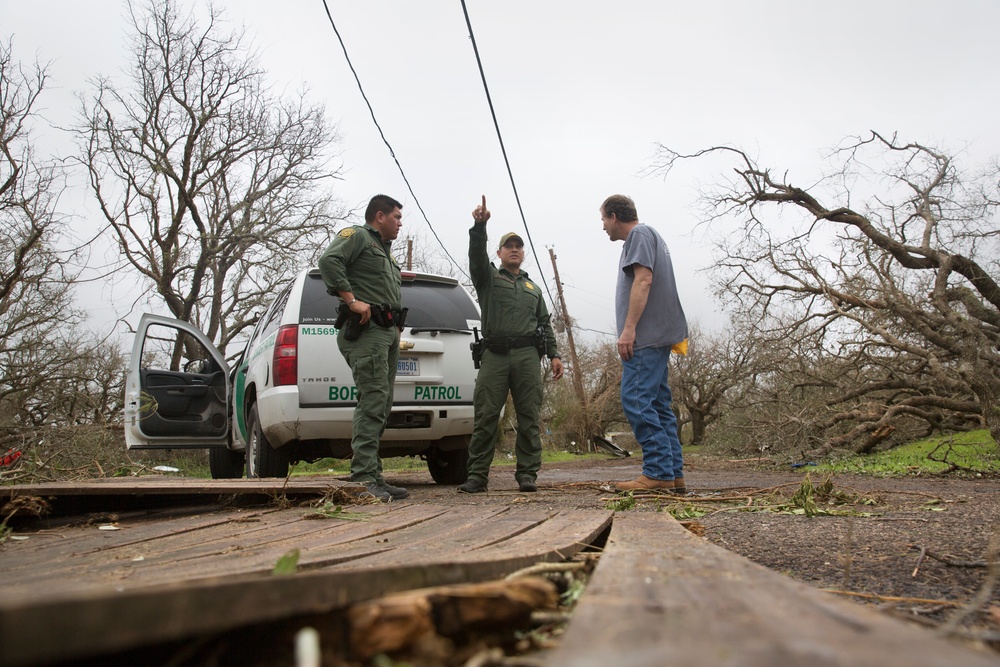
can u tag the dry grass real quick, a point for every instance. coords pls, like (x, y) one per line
(86, 452)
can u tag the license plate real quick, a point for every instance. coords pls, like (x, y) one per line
(408, 366)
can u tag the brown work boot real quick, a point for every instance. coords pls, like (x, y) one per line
(679, 487)
(644, 483)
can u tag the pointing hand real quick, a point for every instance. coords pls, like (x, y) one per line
(481, 214)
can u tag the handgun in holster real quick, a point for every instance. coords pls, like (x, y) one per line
(538, 338)
(477, 346)
(384, 316)
(349, 321)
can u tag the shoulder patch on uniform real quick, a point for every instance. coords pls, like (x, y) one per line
(528, 285)
(347, 232)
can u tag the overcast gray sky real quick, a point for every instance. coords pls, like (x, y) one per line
(583, 91)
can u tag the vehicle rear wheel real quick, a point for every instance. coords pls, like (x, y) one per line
(263, 460)
(226, 463)
(450, 467)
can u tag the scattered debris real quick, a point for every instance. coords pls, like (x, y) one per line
(287, 564)
(10, 457)
(307, 649)
(331, 506)
(447, 614)
(31, 505)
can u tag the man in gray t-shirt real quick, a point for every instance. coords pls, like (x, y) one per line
(650, 322)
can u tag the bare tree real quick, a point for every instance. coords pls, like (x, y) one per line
(894, 308)
(43, 350)
(601, 377)
(715, 364)
(214, 187)
(34, 276)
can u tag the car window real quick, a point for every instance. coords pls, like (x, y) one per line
(318, 306)
(272, 318)
(433, 304)
(430, 304)
(168, 348)
(255, 334)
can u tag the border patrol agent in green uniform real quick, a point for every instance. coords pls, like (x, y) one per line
(360, 269)
(517, 332)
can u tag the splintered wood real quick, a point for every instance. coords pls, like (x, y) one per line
(396, 622)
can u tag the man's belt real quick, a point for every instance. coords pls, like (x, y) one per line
(504, 344)
(384, 316)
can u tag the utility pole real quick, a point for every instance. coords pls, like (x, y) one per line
(577, 371)
(409, 254)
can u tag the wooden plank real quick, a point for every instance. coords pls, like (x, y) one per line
(179, 553)
(155, 491)
(161, 485)
(145, 553)
(324, 543)
(661, 596)
(574, 528)
(82, 621)
(85, 536)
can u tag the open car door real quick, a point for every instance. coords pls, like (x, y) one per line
(177, 390)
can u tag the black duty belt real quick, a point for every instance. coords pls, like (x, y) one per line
(388, 317)
(504, 344)
(383, 316)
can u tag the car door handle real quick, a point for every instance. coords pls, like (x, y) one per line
(185, 389)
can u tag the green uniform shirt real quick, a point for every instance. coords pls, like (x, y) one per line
(511, 305)
(359, 261)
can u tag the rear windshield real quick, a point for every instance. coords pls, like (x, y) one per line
(431, 304)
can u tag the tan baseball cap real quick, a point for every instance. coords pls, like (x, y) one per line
(508, 236)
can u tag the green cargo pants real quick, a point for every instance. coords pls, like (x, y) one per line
(373, 358)
(517, 372)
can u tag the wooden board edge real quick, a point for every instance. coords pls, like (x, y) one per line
(77, 628)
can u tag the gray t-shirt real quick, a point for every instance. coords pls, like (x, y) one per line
(662, 323)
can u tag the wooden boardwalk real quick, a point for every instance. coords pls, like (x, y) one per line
(112, 494)
(82, 590)
(659, 596)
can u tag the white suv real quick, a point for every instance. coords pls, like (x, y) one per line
(291, 396)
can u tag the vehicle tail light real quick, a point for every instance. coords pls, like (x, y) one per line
(286, 356)
(407, 276)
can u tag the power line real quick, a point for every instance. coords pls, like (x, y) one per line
(597, 331)
(503, 150)
(386, 142)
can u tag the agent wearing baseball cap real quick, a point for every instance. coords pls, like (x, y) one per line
(517, 332)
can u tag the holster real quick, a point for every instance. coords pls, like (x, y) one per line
(477, 346)
(538, 338)
(384, 316)
(349, 321)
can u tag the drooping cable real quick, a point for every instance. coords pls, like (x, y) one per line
(503, 150)
(386, 142)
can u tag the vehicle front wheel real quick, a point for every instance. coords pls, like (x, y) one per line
(263, 460)
(450, 467)
(226, 463)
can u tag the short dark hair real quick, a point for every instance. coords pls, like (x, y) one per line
(621, 207)
(380, 204)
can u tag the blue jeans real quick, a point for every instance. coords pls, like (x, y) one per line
(646, 400)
